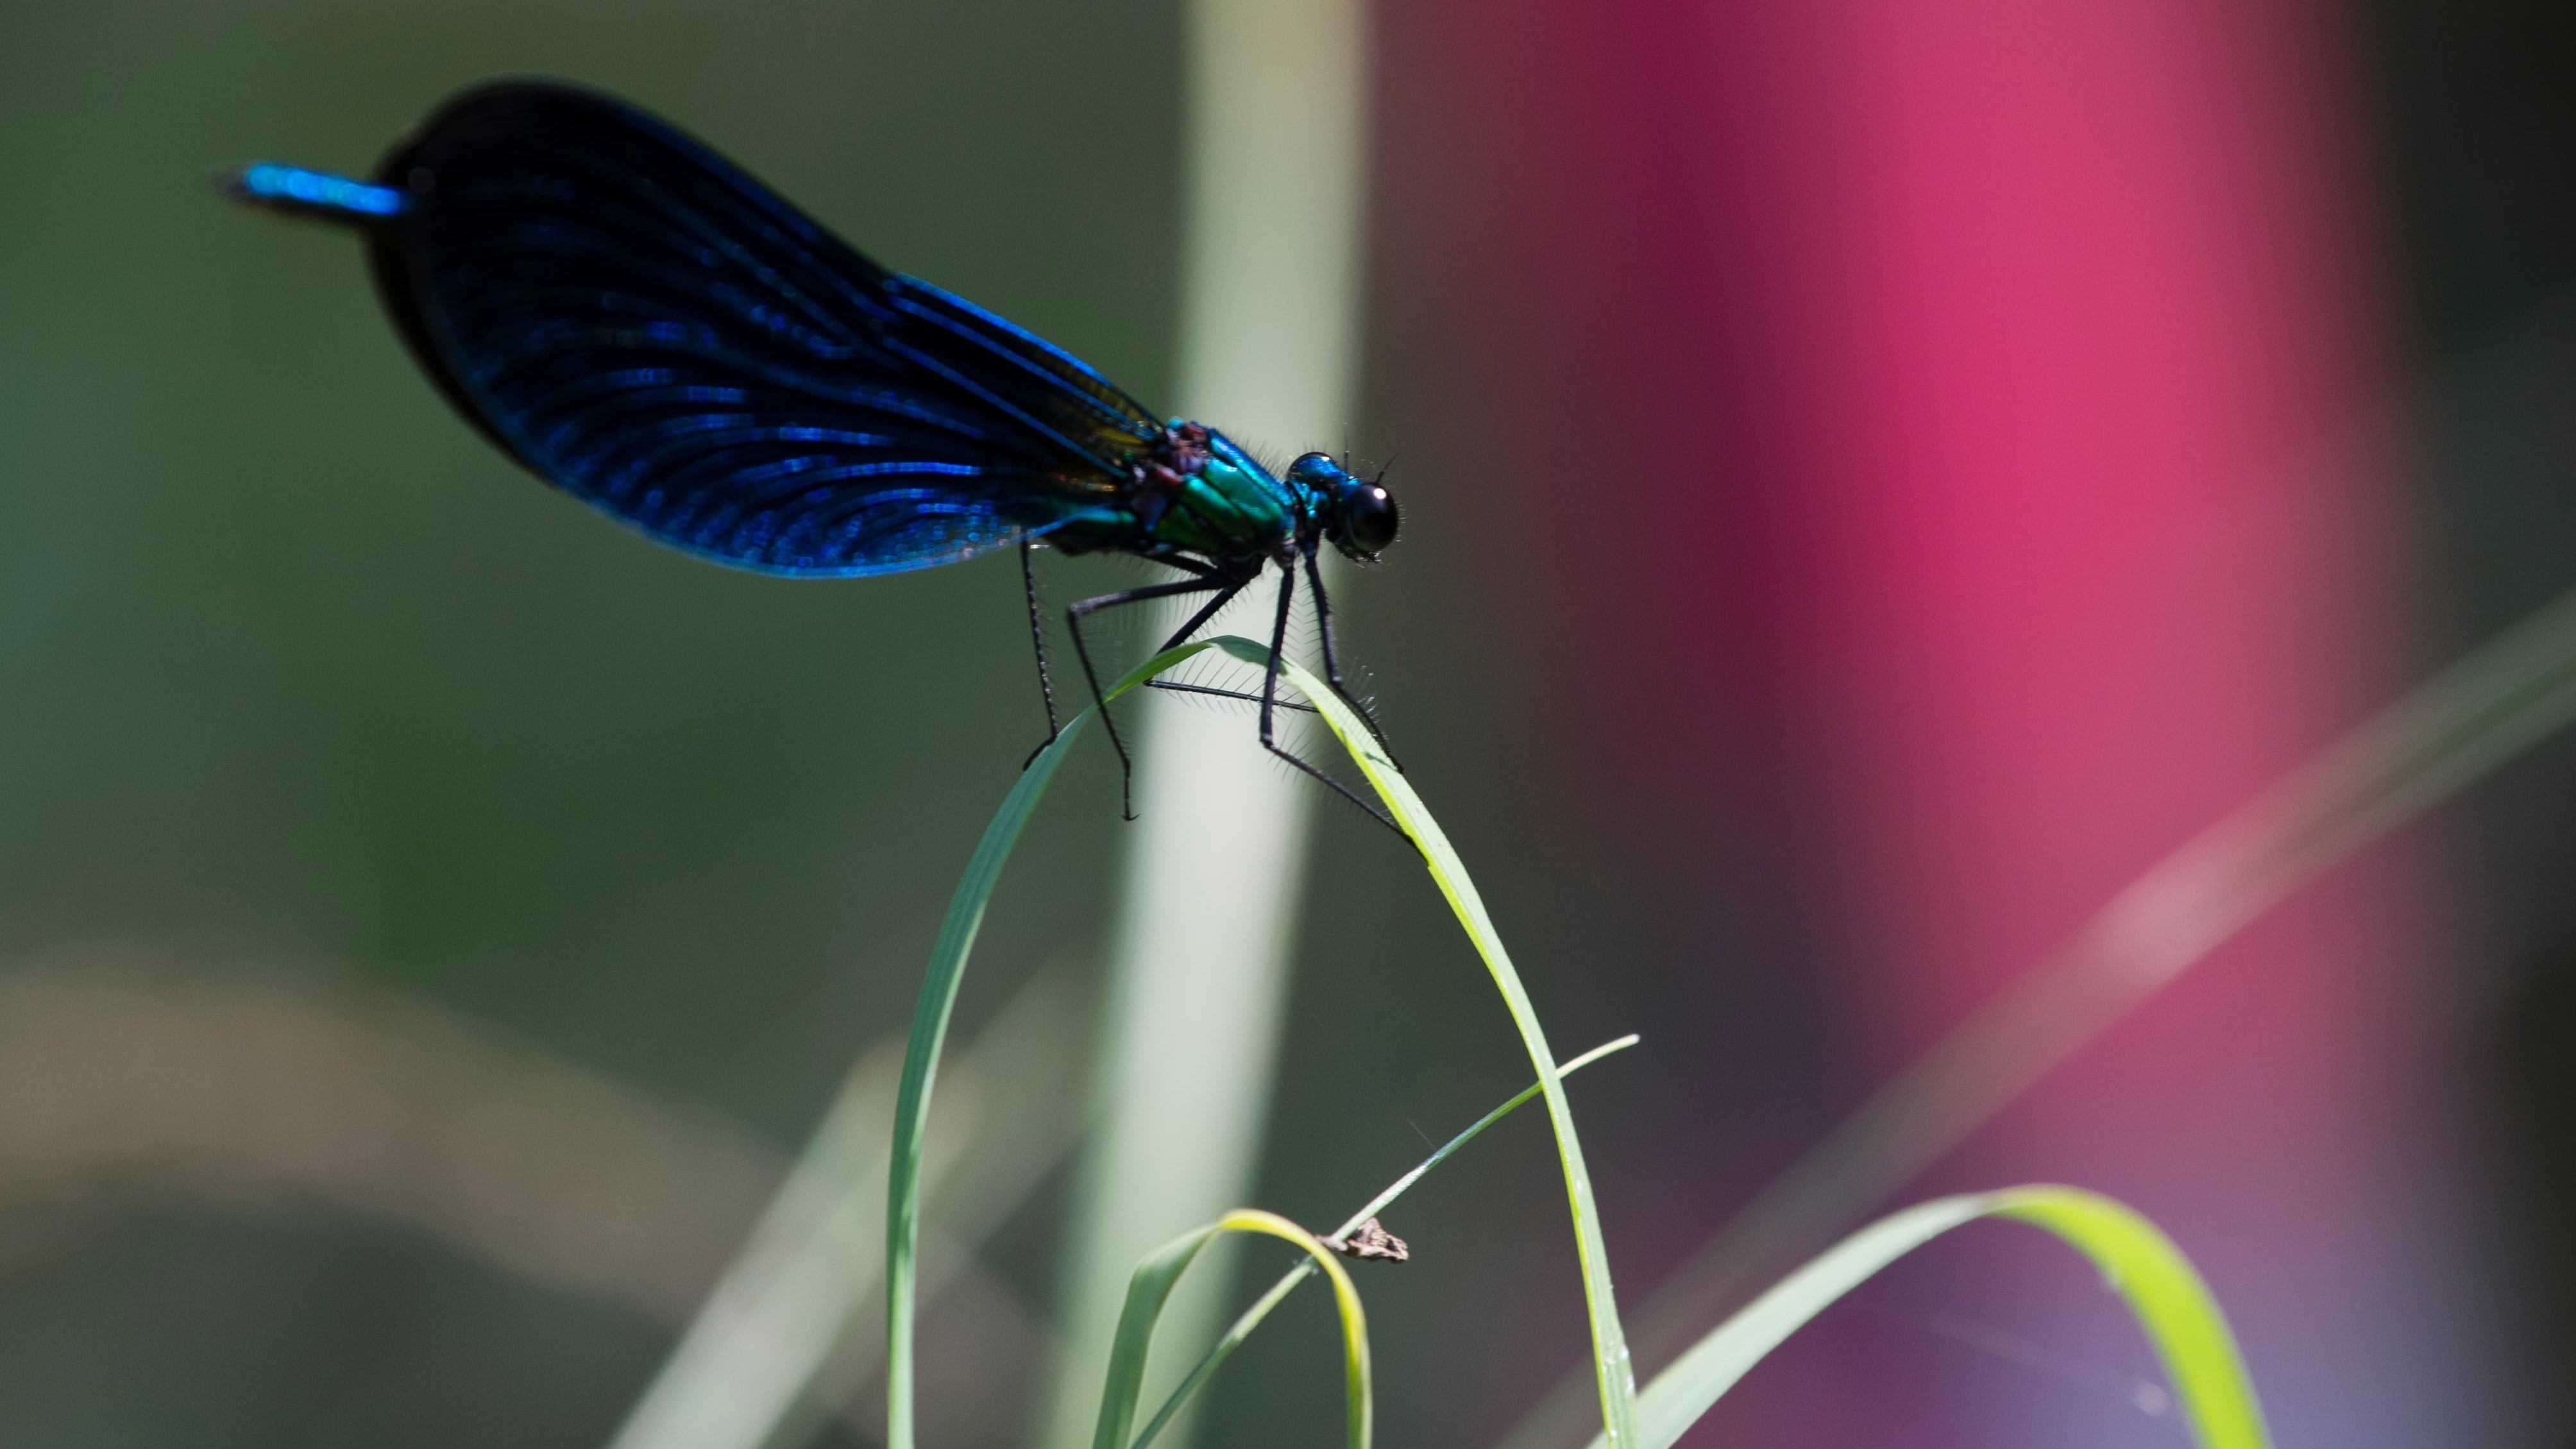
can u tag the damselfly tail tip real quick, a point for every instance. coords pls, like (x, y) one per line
(300, 192)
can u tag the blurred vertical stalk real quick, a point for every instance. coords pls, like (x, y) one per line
(1276, 115)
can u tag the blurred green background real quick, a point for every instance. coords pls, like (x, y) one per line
(315, 682)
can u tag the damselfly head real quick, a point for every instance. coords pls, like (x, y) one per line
(1359, 514)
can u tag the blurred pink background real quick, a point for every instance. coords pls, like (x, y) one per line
(1976, 421)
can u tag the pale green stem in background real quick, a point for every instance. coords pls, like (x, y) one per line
(1275, 110)
(791, 1329)
(786, 1297)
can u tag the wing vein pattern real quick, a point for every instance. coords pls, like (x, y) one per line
(660, 335)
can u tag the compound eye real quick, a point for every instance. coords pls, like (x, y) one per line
(1369, 520)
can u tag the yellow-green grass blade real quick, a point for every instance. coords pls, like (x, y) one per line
(2139, 1263)
(930, 1030)
(2509, 694)
(1215, 1357)
(1152, 1286)
(1610, 1367)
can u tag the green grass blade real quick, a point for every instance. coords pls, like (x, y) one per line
(1151, 1287)
(2140, 1263)
(930, 1030)
(2171, 1303)
(1610, 1366)
(2510, 693)
(1401, 1185)
(957, 939)
(1251, 1319)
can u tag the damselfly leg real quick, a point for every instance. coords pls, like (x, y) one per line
(1270, 702)
(1037, 637)
(1224, 589)
(1216, 692)
(1333, 665)
(1332, 670)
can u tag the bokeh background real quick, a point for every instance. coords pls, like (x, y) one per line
(1877, 477)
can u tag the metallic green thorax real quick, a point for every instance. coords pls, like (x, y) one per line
(1229, 508)
(1197, 501)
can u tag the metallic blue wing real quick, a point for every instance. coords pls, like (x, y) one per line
(653, 331)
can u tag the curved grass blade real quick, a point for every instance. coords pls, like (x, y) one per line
(1215, 1357)
(930, 1030)
(1152, 1286)
(2140, 1263)
(2510, 693)
(1610, 1367)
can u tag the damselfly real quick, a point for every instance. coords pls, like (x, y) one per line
(646, 327)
